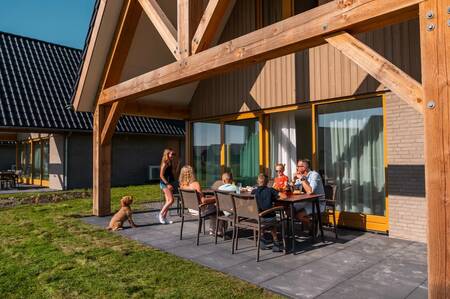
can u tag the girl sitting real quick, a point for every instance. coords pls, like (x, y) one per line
(280, 182)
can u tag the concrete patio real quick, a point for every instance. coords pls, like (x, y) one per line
(357, 265)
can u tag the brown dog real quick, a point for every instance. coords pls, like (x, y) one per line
(123, 214)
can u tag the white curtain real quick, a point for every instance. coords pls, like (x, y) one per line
(283, 142)
(354, 159)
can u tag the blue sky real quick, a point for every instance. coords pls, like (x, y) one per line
(62, 22)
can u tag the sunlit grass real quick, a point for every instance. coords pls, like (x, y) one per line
(46, 251)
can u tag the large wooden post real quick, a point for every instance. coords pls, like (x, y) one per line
(101, 194)
(107, 116)
(435, 48)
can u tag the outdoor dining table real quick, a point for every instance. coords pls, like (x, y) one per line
(290, 199)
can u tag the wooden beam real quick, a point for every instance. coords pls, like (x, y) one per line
(119, 53)
(8, 137)
(296, 33)
(183, 29)
(104, 123)
(111, 122)
(211, 21)
(101, 176)
(435, 52)
(380, 68)
(162, 24)
(157, 111)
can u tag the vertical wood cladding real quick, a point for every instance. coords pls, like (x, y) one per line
(314, 74)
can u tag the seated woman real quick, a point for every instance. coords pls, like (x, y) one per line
(188, 181)
(280, 182)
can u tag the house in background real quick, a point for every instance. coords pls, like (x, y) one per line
(49, 143)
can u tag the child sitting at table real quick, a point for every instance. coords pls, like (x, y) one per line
(280, 182)
(266, 198)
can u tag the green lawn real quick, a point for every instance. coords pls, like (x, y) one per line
(48, 252)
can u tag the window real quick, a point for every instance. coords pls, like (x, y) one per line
(45, 159)
(242, 150)
(351, 153)
(37, 159)
(206, 152)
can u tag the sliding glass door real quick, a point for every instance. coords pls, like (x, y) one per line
(242, 150)
(350, 153)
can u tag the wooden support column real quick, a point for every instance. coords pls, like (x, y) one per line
(107, 116)
(101, 194)
(435, 50)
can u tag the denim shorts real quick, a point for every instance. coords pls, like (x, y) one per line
(164, 186)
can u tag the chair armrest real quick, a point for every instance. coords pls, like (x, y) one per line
(271, 210)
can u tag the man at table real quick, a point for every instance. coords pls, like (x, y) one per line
(312, 184)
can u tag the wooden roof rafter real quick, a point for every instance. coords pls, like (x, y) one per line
(206, 32)
(163, 25)
(380, 68)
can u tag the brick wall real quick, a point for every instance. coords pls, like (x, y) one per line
(405, 173)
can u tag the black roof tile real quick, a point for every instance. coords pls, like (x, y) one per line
(37, 81)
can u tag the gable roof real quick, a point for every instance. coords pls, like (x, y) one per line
(37, 79)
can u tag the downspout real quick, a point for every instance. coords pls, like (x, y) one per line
(66, 158)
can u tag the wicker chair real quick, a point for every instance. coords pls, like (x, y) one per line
(249, 217)
(190, 199)
(224, 203)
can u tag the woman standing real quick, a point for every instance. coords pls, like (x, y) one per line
(167, 182)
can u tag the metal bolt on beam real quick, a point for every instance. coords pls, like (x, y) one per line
(429, 15)
(431, 104)
(324, 26)
(431, 27)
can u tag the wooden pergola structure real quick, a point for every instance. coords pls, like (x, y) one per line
(192, 44)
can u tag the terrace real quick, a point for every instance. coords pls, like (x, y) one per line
(357, 265)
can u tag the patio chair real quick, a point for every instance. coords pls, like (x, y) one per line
(224, 203)
(249, 217)
(190, 199)
(330, 205)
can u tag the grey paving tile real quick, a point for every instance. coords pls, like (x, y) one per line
(220, 260)
(415, 253)
(387, 279)
(256, 273)
(421, 292)
(190, 251)
(299, 284)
